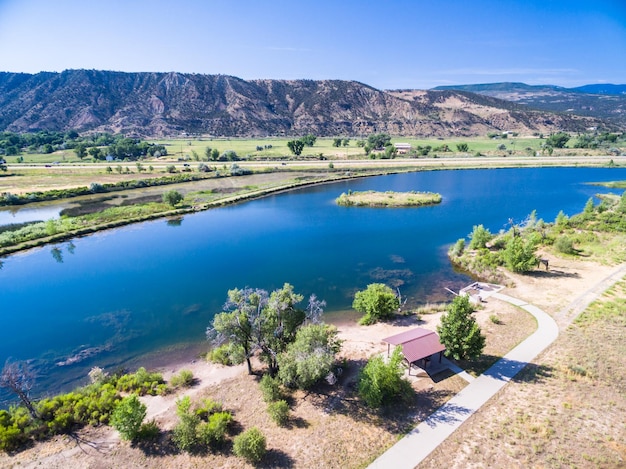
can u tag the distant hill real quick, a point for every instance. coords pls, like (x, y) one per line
(164, 104)
(602, 101)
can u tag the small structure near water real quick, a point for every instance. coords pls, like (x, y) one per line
(418, 344)
(480, 291)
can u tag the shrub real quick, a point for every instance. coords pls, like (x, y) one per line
(519, 254)
(184, 379)
(213, 432)
(377, 301)
(380, 382)
(457, 249)
(227, 354)
(270, 388)
(185, 433)
(128, 417)
(279, 411)
(250, 445)
(479, 237)
(310, 357)
(148, 431)
(564, 245)
(208, 407)
(142, 382)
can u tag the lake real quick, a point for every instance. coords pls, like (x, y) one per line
(126, 296)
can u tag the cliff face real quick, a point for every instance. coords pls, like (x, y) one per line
(161, 104)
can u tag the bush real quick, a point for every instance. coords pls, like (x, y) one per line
(377, 302)
(380, 382)
(270, 388)
(172, 197)
(227, 354)
(184, 379)
(142, 382)
(457, 249)
(128, 417)
(149, 431)
(213, 432)
(564, 245)
(279, 411)
(250, 445)
(208, 407)
(479, 237)
(185, 433)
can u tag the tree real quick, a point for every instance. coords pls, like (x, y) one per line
(378, 141)
(557, 140)
(18, 377)
(380, 382)
(376, 302)
(296, 146)
(310, 357)
(237, 325)
(208, 151)
(479, 237)
(336, 142)
(185, 433)
(172, 197)
(519, 254)
(128, 417)
(462, 147)
(309, 140)
(459, 331)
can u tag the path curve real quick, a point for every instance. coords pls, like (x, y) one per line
(423, 439)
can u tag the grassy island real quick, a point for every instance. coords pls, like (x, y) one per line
(388, 199)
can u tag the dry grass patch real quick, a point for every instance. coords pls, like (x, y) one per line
(567, 411)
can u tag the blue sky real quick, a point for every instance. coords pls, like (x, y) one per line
(389, 45)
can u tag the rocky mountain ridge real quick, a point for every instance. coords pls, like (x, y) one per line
(170, 104)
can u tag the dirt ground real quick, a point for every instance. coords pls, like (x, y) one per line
(329, 428)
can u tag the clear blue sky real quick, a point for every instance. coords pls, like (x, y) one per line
(391, 44)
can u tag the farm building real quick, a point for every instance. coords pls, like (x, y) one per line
(402, 147)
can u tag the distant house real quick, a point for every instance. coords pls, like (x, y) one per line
(419, 345)
(402, 148)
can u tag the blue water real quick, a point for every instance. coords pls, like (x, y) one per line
(127, 292)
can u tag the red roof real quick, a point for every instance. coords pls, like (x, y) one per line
(417, 343)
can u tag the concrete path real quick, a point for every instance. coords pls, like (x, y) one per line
(423, 439)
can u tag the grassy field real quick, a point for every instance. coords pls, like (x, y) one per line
(276, 148)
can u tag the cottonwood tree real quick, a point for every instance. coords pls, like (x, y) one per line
(295, 146)
(18, 377)
(459, 331)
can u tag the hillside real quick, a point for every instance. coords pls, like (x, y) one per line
(161, 104)
(603, 101)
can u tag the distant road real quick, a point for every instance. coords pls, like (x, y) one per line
(443, 162)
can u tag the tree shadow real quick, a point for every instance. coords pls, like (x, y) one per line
(534, 373)
(160, 446)
(276, 458)
(552, 273)
(296, 422)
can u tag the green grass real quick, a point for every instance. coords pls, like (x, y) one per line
(388, 199)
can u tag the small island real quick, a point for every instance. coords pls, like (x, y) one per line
(388, 199)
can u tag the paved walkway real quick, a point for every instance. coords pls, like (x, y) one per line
(423, 439)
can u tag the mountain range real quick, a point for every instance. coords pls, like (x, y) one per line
(171, 104)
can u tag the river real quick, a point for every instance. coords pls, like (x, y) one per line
(125, 296)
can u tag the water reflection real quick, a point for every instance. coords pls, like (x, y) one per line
(57, 252)
(175, 221)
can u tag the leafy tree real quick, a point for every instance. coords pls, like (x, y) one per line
(557, 140)
(459, 332)
(128, 417)
(18, 377)
(172, 197)
(479, 237)
(380, 382)
(519, 254)
(296, 146)
(80, 150)
(336, 142)
(345, 142)
(238, 325)
(309, 140)
(462, 147)
(376, 302)
(310, 357)
(250, 445)
(208, 151)
(215, 154)
(378, 141)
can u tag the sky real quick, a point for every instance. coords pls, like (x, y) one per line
(395, 44)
